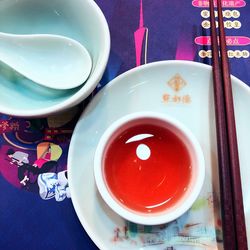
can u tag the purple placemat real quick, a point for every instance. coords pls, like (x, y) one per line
(35, 206)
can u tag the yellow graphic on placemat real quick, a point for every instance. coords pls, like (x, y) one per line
(177, 82)
(44, 147)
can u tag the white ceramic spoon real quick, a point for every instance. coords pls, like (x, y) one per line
(50, 60)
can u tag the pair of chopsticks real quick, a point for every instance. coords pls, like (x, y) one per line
(233, 219)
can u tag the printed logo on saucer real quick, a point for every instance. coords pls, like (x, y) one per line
(177, 82)
(175, 94)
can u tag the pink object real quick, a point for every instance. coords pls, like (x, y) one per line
(231, 40)
(225, 3)
(185, 50)
(39, 162)
(139, 36)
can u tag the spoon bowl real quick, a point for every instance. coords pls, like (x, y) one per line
(53, 61)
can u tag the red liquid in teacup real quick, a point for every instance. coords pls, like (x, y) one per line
(147, 168)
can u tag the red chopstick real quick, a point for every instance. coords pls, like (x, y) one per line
(234, 229)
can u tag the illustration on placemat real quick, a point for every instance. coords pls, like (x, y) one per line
(18, 157)
(47, 155)
(52, 185)
(43, 173)
(34, 153)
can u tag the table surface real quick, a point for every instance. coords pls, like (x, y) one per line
(170, 30)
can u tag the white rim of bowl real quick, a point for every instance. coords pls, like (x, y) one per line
(154, 218)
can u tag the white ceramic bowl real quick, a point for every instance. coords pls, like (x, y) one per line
(81, 20)
(197, 170)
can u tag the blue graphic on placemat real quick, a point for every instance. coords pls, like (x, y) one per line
(52, 185)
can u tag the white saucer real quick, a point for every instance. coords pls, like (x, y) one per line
(184, 90)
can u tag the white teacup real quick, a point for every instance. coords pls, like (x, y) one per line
(149, 168)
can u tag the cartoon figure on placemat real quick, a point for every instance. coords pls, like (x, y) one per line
(17, 157)
(37, 147)
(52, 185)
(47, 156)
(20, 159)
